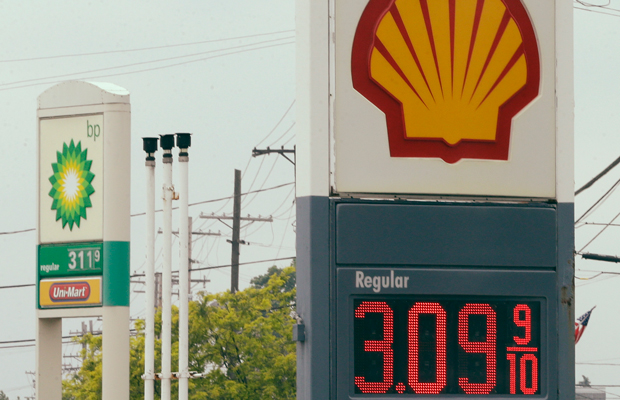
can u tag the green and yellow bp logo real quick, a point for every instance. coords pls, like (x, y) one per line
(71, 184)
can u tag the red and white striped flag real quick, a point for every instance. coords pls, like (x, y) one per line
(581, 324)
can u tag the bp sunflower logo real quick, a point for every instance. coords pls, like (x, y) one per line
(71, 184)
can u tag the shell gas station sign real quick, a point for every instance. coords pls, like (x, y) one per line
(462, 90)
(435, 215)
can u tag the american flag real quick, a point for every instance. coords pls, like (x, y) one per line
(581, 324)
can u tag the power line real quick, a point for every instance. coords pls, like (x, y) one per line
(244, 263)
(14, 232)
(597, 224)
(284, 134)
(146, 48)
(596, 11)
(583, 3)
(143, 62)
(278, 124)
(601, 199)
(226, 198)
(615, 365)
(599, 176)
(598, 234)
(16, 286)
(34, 340)
(152, 69)
(175, 208)
(227, 265)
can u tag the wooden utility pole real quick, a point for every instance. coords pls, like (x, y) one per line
(236, 225)
(157, 290)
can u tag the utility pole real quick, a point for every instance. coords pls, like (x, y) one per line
(236, 228)
(234, 258)
(157, 290)
(189, 255)
(283, 152)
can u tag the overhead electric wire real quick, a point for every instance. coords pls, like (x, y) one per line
(16, 286)
(284, 134)
(598, 234)
(154, 68)
(598, 223)
(596, 11)
(598, 281)
(225, 198)
(243, 263)
(143, 62)
(599, 176)
(260, 226)
(264, 182)
(146, 48)
(284, 233)
(288, 140)
(604, 196)
(34, 340)
(590, 278)
(227, 265)
(278, 124)
(593, 5)
(21, 231)
(583, 363)
(260, 166)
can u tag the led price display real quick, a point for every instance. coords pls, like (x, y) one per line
(446, 345)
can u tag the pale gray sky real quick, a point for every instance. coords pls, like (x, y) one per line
(231, 95)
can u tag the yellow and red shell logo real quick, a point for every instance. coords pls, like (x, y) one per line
(449, 74)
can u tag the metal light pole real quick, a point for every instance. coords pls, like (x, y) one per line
(167, 143)
(183, 143)
(150, 147)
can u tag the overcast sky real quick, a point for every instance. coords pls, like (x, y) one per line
(225, 71)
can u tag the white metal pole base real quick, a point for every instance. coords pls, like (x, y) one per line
(49, 359)
(116, 353)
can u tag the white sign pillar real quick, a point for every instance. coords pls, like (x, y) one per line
(83, 227)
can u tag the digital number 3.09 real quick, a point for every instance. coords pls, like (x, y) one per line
(526, 365)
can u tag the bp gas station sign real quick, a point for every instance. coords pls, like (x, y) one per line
(83, 226)
(70, 210)
(435, 199)
(71, 179)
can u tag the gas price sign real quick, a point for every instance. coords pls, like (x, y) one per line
(446, 345)
(71, 259)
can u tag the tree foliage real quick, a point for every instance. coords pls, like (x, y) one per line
(242, 342)
(261, 281)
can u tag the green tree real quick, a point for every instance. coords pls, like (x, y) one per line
(3, 396)
(241, 342)
(244, 341)
(261, 281)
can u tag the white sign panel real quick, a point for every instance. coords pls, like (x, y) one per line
(443, 97)
(71, 179)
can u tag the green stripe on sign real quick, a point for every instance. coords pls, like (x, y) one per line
(116, 274)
